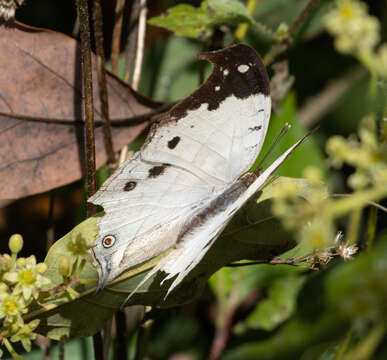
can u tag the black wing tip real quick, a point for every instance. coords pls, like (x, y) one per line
(233, 57)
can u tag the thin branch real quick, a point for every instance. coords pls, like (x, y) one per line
(140, 44)
(117, 30)
(83, 13)
(309, 258)
(103, 93)
(142, 339)
(302, 17)
(285, 41)
(98, 346)
(372, 203)
(132, 40)
(241, 30)
(222, 335)
(61, 355)
(318, 106)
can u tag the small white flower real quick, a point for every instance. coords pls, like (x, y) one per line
(346, 251)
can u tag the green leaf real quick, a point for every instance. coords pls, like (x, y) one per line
(308, 154)
(274, 12)
(185, 20)
(198, 23)
(357, 289)
(278, 306)
(177, 76)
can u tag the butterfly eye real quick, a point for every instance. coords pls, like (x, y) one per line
(108, 241)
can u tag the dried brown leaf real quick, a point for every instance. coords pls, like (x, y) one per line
(41, 126)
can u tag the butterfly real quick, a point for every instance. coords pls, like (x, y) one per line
(191, 175)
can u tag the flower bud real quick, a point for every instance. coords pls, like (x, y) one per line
(64, 267)
(41, 267)
(15, 243)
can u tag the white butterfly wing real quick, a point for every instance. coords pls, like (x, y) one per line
(199, 148)
(181, 261)
(219, 130)
(145, 205)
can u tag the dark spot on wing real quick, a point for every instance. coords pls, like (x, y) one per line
(156, 171)
(130, 185)
(255, 128)
(173, 142)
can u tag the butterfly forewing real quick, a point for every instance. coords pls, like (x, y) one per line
(218, 131)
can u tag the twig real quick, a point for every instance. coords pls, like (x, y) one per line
(221, 336)
(285, 41)
(103, 93)
(51, 230)
(61, 346)
(142, 339)
(107, 337)
(372, 203)
(75, 31)
(98, 346)
(371, 227)
(132, 40)
(309, 258)
(300, 19)
(241, 30)
(83, 13)
(140, 44)
(121, 336)
(353, 226)
(117, 30)
(319, 105)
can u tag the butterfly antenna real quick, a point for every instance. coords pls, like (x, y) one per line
(281, 134)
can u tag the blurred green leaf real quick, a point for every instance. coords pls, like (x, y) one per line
(186, 20)
(357, 290)
(274, 12)
(308, 154)
(279, 304)
(177, 76)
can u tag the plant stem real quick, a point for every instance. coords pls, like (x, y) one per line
(241, 30)
(132, 40)
(140, 44)
(354, 225)
(142, 339)
(117, 30)
(284, 42)
(371, 227)
(103, 92)
(83, 13)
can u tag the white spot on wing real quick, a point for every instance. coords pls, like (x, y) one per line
(225, 72)
(243, 68)
(217, 88)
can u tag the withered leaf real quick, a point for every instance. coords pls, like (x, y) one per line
(41, 104)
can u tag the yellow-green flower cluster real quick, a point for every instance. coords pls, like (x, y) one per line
(21, 281)
(315, 229)
(365, 153)
(314, 220)
(357, 33)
